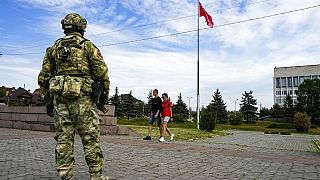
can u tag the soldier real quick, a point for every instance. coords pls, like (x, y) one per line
(70, 69)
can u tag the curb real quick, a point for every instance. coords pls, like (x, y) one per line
(316, 144)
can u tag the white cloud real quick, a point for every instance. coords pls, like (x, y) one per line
(234, 58)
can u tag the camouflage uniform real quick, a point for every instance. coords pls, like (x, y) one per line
(69, 68)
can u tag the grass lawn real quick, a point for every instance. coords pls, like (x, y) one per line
(188, 130)
(182, 131)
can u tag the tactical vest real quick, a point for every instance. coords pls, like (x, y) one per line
(70, 56)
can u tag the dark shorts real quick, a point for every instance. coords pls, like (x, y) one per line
(152, 119)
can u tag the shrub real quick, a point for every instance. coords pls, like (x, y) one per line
(178, 118)
(285, 133)
(236, 118)
(313, 126)
(207, 120)
(281, 126)
(302, 122)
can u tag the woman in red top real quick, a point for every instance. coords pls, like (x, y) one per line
(166, 116)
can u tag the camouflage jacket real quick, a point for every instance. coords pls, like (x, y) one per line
(86, 59)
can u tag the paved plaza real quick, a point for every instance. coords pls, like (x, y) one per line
(239, 155)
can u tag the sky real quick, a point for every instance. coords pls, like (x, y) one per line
(233, 58)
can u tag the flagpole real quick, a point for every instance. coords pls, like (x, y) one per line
(198, 79)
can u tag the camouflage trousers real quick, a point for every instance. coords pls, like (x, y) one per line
(71, 116)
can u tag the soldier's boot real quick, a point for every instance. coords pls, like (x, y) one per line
(98, 176)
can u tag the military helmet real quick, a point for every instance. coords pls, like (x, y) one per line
(74, 21)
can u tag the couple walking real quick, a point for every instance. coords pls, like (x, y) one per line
(162, 112)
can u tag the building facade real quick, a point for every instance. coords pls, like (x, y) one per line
(287, 79)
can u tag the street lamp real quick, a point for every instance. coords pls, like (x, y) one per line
(189, 107)
(235, 105)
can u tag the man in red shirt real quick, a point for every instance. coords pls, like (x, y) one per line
(166, 115)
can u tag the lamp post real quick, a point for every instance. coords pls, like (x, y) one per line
(235, 105)
(189, 107)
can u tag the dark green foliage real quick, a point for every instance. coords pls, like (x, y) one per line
(275, 125)
(284, 113)
(285, 133)
(264, 112)
(148, 105)
(2, 92)
(248, 107)
(302, 122)
(180, 108)
(309, 98)
(288, 102)
(178, 118)
(207, 120)
(115, 101)
(236, 118)
(218, 106)
(313, 126)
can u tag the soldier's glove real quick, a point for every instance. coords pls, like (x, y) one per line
(50, 108)
(103, 101)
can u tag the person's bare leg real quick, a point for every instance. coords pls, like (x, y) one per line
(165, 127)
(149, 129)
(168, 131)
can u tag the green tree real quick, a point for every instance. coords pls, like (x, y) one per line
(308, 98)
(207, 120)
(115, 101)
(288, 102)
(180, 108)
(248, 107)
(264, 112)
(148, 105)
(2, 92)
(126, 107)
(218, 106)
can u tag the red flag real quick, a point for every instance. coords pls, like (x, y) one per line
(204, 13)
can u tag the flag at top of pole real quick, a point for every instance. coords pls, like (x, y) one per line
(203, 12)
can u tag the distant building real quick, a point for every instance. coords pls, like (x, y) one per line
(21, 97)
(287, 79)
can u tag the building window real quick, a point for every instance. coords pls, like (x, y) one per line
(295, 81)
(289, 81)
(284, 93)
(301, 79)
(307, 77)
(277, 82)
(296, 92)
(283, 82)
(278, 92)
(278, 101)
(315, 77)
(290, 92)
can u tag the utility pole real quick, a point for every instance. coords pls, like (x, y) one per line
(189, 107)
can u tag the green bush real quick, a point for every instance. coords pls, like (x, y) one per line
(236, 118)
(313, 126)
(281, 126)
(302, 122)
(207, 120)
(178, 118)
(285, 133)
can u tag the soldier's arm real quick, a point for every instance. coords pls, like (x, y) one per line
(98, 66)
(45, 74)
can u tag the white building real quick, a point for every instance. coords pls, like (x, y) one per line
(287, 79)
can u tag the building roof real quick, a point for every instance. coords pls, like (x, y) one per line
(310, 65)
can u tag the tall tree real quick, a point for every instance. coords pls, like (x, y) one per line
(148, 105)
(248, 106)
(288, 102)
(180, 108)
(2, 92)
(309, 98)
(115, 101)
(218, 106)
